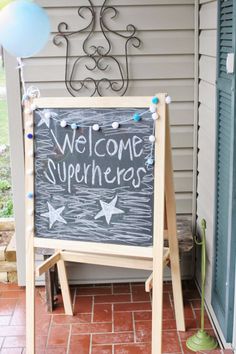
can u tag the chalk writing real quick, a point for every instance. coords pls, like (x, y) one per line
(94, 185)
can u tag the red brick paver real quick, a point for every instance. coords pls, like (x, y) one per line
(109, 319)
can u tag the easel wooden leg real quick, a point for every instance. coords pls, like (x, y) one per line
(176, 284)
(172, 236)
(29, 235)
(148, 283)
(64, 287)
(166, 260)
(56, 282)
(157, 307)
(30, 299)
(158, 231)
(50, 287)
(53, 260)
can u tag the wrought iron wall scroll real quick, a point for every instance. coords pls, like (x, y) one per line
(83, 73)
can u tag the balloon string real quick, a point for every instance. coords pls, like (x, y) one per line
(20, 67)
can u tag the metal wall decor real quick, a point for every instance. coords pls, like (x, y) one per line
(97, 71)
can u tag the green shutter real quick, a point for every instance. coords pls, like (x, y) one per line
(225, 208)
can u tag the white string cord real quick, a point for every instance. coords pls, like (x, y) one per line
(20, 67)
(31, 91)
(103, 125)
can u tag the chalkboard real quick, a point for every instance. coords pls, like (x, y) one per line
(91, 194)
(94, 185)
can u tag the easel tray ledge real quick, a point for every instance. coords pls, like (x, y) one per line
(92, 247)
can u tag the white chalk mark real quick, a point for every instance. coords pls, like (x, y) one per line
(54, 215)
(45, 117)
(108, 209)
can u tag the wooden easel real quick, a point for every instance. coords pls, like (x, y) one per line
(149, 258)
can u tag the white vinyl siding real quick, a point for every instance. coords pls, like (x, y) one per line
(207, 125)
(163, 63)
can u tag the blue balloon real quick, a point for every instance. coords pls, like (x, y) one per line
(24, 28)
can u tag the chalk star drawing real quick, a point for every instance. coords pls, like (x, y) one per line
(54, 215)
(45, 117)
(108, 209)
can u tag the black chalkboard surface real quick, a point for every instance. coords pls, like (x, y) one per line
(93, 185)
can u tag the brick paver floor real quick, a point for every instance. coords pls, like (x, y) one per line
(109, 319)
